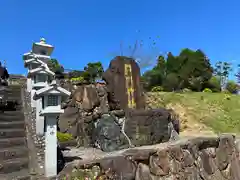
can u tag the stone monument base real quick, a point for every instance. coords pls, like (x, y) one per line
(136, 128)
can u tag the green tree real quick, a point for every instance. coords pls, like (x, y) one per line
(238, 74)
(151, 79)
(195, 83)
(58, 69)
(156, 76)
(192, 67)
(171, 82)
(161, 65)
(214, 84)
(232, 87)
(93, 71)
(222, 70)
(54, 66)
(171, 64)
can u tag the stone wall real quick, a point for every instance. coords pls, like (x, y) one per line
(35, 142)
(215, 158)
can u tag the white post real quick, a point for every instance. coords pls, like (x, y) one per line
(29, 84)
(39, 119)
(33, 102)
(51, 146)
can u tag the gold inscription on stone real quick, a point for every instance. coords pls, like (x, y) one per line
(129, 85)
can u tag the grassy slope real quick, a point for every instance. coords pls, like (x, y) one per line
(201, 113)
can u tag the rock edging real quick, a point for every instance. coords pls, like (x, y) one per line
(196, 158)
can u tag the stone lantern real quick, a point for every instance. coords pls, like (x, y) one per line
(40, 54)
(50, 108)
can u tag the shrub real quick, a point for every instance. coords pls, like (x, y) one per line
(157, 89)
(207, 90)
(63, 137)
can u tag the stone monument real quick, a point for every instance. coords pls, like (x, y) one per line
(141, 126)
(123, 82)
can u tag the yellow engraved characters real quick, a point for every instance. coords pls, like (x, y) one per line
(129, 85)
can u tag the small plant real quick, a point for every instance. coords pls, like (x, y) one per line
(63, 137)
(79, 79)
(157, 89)
(207, 90)
(227, 97)
(93, 173)
(226, 92)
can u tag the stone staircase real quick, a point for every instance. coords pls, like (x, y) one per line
(13, 146)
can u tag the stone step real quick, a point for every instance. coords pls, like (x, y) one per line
(10, 94)
(14, 152)
(13, 165)
(12, 113)
(4, 118)
(12, 98)
(11, 142)
(18, 175)
(11, 133)
(12, 124)
(10, 91)
(13, 87)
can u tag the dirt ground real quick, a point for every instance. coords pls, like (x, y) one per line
(188, 126)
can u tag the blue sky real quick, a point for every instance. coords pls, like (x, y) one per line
(85, 31)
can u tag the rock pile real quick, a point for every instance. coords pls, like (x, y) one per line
(99, 115)
(89, 118)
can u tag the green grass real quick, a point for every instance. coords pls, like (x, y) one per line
(219, 111)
